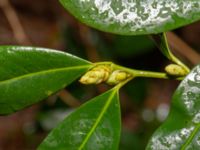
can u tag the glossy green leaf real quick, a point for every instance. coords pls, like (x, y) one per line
(131, 17)
(181, 130)
(95, 125)
(28, 75)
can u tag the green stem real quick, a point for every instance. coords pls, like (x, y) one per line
(139, 73)
(172, 57)
(118, 86)
(132, 73)
(162, 43)
(147, 74)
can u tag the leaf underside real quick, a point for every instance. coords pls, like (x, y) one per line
(181, 130)
(95, 125)
(134, 17)
(28, 75)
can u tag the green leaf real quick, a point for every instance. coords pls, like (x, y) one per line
(95, 125)
(162, 44)
(28, 75)
(132, 17)
(181, 130)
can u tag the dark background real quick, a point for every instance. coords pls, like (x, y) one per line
(144, 102)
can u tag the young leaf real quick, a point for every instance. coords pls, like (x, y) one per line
(162, 44)
(95, 125)
(28, 75)
(131, 17)
(181, 130)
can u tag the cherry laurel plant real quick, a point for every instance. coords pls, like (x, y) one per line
(96, 125)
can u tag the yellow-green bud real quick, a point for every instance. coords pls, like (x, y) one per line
(117, 76)
(175, 70)
(96, 75)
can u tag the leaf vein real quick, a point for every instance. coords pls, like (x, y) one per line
(107, 104)
(43, 72)
(188, 141)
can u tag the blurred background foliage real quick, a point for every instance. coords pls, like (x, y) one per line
(144, 102)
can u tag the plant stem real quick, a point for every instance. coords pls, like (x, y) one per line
(140, 73)
(162, 43)
(162, 75)
(174, 58)
(183, 48)
(132, 73)
(118, 86)
(147, 74)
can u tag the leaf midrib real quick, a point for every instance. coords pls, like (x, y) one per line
(99, 118)
(43, 72)
(190, 137)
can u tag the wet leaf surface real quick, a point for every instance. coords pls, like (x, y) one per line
(181, 130)
(95, 125)
(28, 75)
(132, 17)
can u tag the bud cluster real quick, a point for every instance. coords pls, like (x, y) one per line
(104, 73)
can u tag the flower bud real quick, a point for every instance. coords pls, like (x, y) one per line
(175, 70)
(96, 75)
(117, 76)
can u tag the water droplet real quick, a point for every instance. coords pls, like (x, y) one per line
(196, 118)
(164, 12)
(190, 94)
(189, 104)
(125, 15)
(197, 77)
(198, 140)
(185, 133)
(132, 9)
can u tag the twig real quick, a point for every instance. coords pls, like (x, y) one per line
(182, 48)
(14, 22)
(67, 98)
